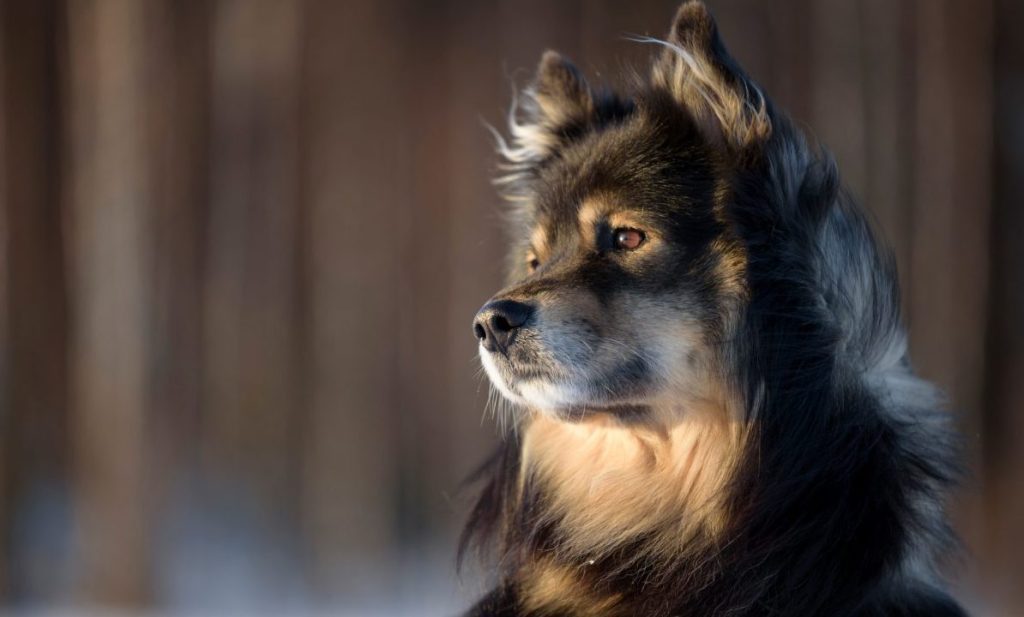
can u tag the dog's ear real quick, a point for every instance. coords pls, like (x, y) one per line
(696, 69)
(562, 94)
(557, 103)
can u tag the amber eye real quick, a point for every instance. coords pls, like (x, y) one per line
(532, 263)
(628, 239)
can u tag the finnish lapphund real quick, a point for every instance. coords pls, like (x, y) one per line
(701, 355)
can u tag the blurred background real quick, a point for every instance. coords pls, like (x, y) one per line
(242, 242)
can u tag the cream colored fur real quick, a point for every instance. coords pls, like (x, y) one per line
(613, 482)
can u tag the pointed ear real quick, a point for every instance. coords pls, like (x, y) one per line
(696, 69)
(561, 92)
(555, 103)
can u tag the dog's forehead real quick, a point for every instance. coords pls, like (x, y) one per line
(632, 171)
(603, 171)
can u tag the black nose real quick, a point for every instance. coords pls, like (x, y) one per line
(497, 322)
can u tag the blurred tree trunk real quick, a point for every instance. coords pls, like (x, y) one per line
(110, 203)
(354, 183)
(178, 166)
(251, 391)
(33, 370)
(949, 230)
(1002, 420)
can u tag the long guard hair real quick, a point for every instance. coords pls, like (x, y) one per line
(833, 503)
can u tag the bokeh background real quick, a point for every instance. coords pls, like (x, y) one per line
(242, 241)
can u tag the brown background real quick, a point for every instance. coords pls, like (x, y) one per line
(242, 241)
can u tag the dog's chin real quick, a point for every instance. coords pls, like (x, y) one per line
(560, 398)
(565, 402)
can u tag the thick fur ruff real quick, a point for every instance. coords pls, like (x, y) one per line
(755, 441)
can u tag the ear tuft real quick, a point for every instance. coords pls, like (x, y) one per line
(693, 25)
(561, 92)
(556, 102)
(701, 75)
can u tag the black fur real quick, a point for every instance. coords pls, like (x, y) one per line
(824, 511)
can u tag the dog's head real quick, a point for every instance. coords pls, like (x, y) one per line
(626, 268)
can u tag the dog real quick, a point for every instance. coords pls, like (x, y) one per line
(700, 346)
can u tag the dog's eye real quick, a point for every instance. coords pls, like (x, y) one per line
(628, 239)
(532, 263)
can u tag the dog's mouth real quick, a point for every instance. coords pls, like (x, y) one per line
(573, 393)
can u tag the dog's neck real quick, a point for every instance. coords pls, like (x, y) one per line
(608, 484)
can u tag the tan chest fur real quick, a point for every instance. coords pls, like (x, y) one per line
(549, 588)
(609, 483)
